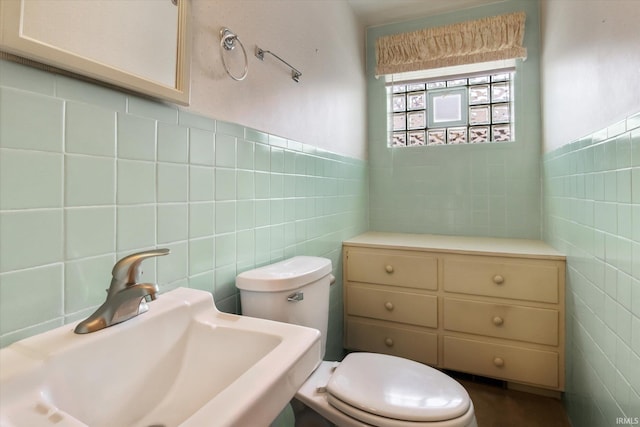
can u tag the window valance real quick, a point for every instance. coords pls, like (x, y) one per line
(487, 39)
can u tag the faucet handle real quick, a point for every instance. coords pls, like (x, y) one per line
(127, 271)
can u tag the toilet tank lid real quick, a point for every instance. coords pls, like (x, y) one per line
(285, 275)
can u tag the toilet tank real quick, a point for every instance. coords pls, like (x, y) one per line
(293, 291)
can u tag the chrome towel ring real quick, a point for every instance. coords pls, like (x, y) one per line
(228, 42)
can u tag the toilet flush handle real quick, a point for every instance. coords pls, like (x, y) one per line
(299, 296)
(295, 297)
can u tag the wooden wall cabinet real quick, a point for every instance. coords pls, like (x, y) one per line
(139, 45)
(492, 307)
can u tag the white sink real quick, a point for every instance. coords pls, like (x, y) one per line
(183, 363)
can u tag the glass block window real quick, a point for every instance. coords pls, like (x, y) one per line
(455, 110)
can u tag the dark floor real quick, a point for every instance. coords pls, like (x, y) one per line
(497, 406)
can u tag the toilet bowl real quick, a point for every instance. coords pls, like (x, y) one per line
(365, 389)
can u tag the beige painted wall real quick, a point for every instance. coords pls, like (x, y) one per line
(590, 66)
(321, 38)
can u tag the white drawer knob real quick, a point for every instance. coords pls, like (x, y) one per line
(498, 361)
(388, 342)
(388, 305)
(498, 320)
(389, 268)
(498, 279)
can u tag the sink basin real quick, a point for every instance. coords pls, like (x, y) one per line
(183, 363)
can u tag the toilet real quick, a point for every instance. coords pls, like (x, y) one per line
(365, 389)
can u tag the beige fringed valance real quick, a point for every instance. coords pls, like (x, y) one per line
(488, 39)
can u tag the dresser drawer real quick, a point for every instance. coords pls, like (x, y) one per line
(394, 306)
(501, 277)
(510, 363)
(536, 325)
(409, 343)
(388, 267)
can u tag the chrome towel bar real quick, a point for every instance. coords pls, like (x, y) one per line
(295, 74)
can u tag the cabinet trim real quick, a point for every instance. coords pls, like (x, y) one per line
(510, 248)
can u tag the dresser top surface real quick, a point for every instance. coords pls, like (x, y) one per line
(457, 244)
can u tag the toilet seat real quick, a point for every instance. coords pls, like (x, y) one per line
(383, 390)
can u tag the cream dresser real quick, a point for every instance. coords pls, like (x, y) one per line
(492, 307)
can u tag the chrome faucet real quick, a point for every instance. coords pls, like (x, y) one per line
(126, 298)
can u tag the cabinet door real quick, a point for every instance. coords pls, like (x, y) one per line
(396, 268)
(507, 362)
(502, 277)
(391, 339)
(395, 306)
(535, 325)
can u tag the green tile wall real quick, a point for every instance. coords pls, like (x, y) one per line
(592, 213)
(89, 174)
(477, 190)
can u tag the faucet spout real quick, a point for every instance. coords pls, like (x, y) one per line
(128, 270)
(125, 298)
